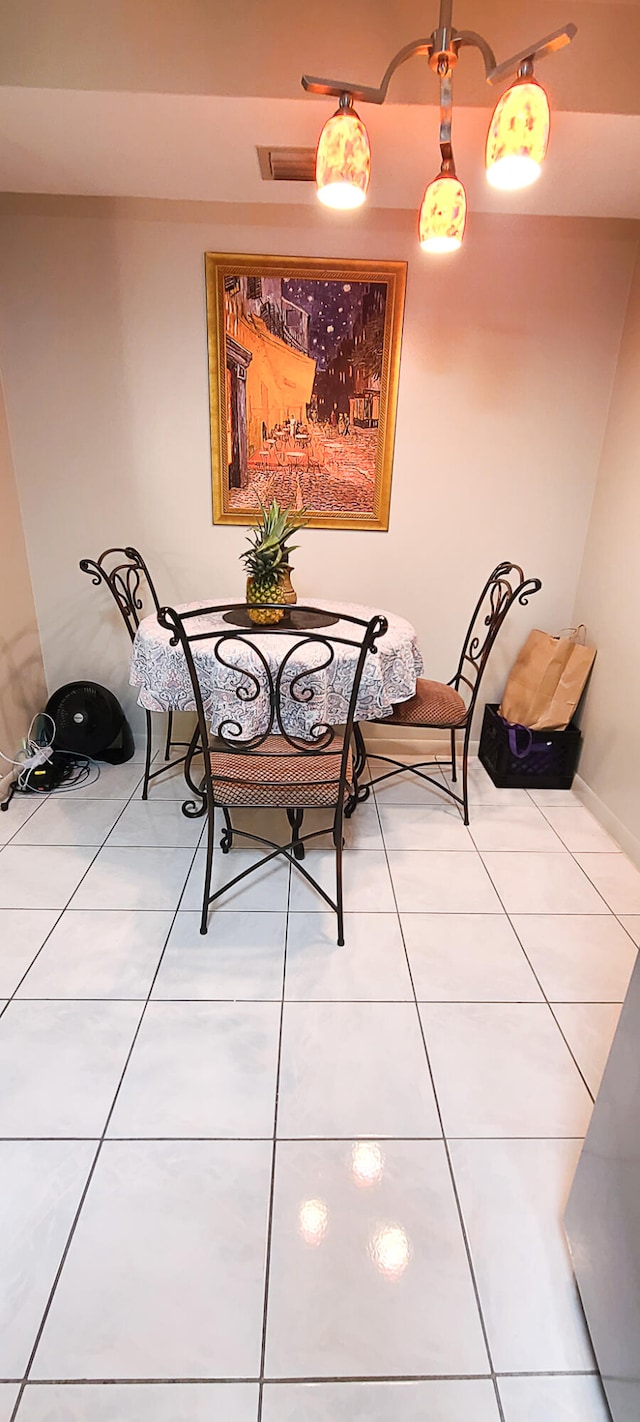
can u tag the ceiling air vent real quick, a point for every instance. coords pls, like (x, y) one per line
(287, 165)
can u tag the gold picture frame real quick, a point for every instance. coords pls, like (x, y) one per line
(304, 359)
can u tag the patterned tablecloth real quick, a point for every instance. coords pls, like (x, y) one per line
(160, 671)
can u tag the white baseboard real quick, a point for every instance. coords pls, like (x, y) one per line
(420, 744)
(625, 837)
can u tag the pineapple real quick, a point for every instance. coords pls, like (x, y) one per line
(267, 561)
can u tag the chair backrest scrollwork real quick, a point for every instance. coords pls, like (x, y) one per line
(296, 687)
(505, 586)
(123, 579)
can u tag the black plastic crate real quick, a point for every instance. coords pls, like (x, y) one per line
(516, 758)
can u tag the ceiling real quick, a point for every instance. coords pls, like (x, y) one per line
(170, 98)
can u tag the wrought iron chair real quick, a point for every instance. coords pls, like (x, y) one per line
(450, 706)
(287, 755)
(123, 579)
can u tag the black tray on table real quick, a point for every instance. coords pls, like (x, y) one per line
(297, 619)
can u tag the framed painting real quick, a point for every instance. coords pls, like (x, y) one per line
(304, 356)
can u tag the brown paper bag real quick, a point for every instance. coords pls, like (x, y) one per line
(546, 681)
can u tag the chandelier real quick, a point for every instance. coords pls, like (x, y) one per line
(516, 142)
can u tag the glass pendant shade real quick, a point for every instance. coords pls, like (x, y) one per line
(518, 136)
(343, 161)
(443, 215)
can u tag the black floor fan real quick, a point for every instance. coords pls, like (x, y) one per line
(89, 721)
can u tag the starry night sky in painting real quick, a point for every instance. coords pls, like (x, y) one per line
(333, 306)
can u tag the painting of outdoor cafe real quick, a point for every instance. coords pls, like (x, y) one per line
(304, 358)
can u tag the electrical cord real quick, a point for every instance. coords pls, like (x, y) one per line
(37, 749)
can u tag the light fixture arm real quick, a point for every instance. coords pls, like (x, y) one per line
(441, 49)
(557, 40)
(446, 108)
(359, 92)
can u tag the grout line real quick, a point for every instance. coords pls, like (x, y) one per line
(454, 1186)
(92, 1168)
(341, 1001)
(289, 1140)
(296, 1381)
(269, 1237)
(292, 1140)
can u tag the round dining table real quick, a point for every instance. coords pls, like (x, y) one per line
(160, 674)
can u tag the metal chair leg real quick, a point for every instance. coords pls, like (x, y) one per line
(226, 841)
(167, 748)
(337, 833)
(295, 818)
(207, 872)
(147, 759)
(465, 759)
(454, 773)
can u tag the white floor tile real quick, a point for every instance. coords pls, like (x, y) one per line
(502, 1069)
(424, 827)
(40, 1187)
(42, 878)
(172, 785)
(60, 1064)
(8, 1395)
(362, 831)
(406, 788)
(134, 879)
(631, 921)
(615, 877)
(367, 886)
(578, 957)
(369, 1275)
(240, 956)
(63, 820)
(450, 1401)
(371, 966)
(22, 933)
(20, 810)
(98, 953)
(513, 1195)
(115, 782)
(580, 830)
(201, 1069)
(482, 790)
(436, 881)
(264, 891)
(165, 1274)
(577, 1399)
(517, 827)
(589, 1028)
(469, 957)
(155, 824)
(140, 1402)
(338, 1079)
(542, 883)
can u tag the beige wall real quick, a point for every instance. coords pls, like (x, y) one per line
(22, 683)
(607, 601)
(187, 46)
(508, 359)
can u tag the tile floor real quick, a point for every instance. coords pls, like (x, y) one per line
(255, 1176)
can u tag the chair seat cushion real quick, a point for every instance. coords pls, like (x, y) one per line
(277, 775)
(434, 704)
